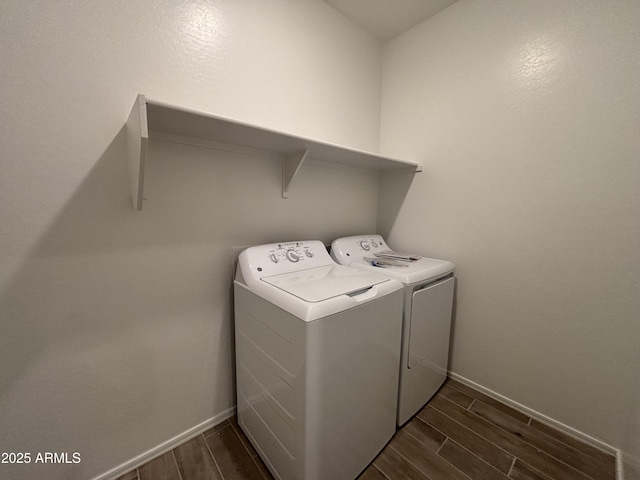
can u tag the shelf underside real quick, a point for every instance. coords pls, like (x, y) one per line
(164, 119)
(150, 120)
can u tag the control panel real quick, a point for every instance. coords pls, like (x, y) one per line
(293, 252)
(370, 244)
(279, 258)
(350, 249)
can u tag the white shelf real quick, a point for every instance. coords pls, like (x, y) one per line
(151, 120)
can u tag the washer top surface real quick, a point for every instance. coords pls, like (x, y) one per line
(320, 283)
(303, 279)
(353, 251)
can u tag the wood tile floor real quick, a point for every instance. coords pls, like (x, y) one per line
(461, 434)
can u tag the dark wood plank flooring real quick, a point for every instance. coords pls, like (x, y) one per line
(461, 434)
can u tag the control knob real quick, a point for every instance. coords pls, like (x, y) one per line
(292, 256)
(273, 257)
(365, 246)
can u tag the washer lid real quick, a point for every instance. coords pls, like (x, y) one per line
(320, 283)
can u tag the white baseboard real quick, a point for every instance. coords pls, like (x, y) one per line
(548, 421)
(166, 446)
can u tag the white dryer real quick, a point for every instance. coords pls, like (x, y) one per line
(428, 303)
(317, 352)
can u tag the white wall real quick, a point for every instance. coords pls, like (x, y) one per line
(526, 117)
(115, 324)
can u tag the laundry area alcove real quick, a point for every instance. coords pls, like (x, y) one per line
(116, 316)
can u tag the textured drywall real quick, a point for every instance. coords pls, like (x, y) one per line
(525, 116)
(115, 325)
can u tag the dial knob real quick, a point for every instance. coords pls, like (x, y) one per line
(308, 253)
(365, 246)
(292, 256)
(374, 243)
(273, 257)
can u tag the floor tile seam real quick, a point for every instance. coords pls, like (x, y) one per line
(260, 469)
(471, 430)
(251, 455)
(488, 404)
(420, 441)
(216, 429)
(237, 430)
(452, 400)
(373, 464)
(513, 462)
(465, 392)
(175, 462)
(529, 422)
(539, 448)
(536, 470)
(544, 453)
(255, 463)
(442, 444)
(484, 395)
(408, 460)
(577, 439)
(584, 474)
(478, 457)
(574, 448)
(209, 433)
(447, 437)
(587, 477)
(507, 432)
(213, 457)
(399, 452)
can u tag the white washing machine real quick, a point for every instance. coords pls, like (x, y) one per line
(428, 303)
(317, 352)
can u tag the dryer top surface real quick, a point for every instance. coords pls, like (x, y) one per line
(354, 252)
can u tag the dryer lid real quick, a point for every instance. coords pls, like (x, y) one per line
(321, 283)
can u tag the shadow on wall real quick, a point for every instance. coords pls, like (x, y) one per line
(394, 188)
(98, 326)
(115, 317)
(40, 306)
(452, 329)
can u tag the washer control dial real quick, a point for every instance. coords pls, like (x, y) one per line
(365, 245)
(293, 256)
(273, 257)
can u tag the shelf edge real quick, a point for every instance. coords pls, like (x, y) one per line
(315, 146)
(137, 146)
(294, 148)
